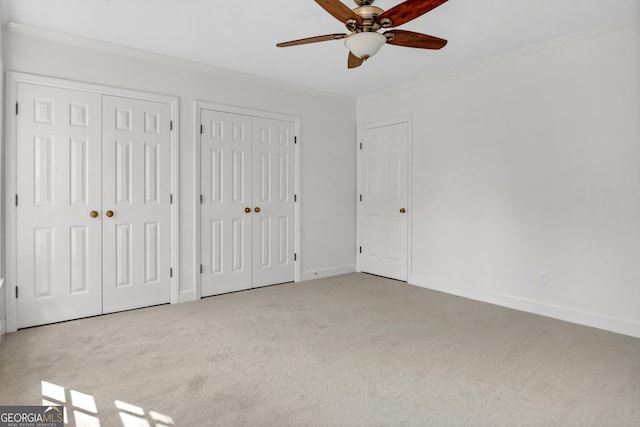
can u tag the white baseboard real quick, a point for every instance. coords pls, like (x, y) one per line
(568, 314)
(327, 272)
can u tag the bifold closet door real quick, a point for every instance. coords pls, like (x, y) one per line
(59, 188)
(273, 193)
(226, 209)
(136, 221)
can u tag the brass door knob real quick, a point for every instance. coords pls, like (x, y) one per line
(247, 210)
(403, 210)
(109, 214)
(256, 210)
(93, 214)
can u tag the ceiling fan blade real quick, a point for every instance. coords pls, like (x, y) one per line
(339, 10)
(409, 10)
(418, 40)
(354, 61)
(312, 40)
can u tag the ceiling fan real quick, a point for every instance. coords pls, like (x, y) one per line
(364, 21)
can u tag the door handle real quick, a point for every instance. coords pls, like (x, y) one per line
(403, 210)
(93, 214)
(257, 209)
(109, 214)
(247, 210)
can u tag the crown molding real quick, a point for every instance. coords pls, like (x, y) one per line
(582, 35)
(172, 61)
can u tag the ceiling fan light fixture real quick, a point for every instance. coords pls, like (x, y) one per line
(365, 44)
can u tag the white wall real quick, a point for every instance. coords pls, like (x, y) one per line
(531, 163)
(326, 139)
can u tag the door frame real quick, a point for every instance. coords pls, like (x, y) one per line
(359, 135)
(13, 78)
(200, 105)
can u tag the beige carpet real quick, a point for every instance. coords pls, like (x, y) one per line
(344, 351)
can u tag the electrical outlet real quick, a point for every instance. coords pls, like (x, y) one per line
(543, 278)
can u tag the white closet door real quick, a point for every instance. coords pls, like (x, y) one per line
(384, 190)
(58, 184)
(225, 226)
(136, 164)
(273, 193)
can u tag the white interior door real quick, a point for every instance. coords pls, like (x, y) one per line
(225, 224)
(273, 193)
(59, 273)
(136, 168)
(384, 232)
(247, 220)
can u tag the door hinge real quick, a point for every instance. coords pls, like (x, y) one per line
(361, 197)
(295, 257)
(360, 249)
(361, 145)
(16, 292)
(170, 199)
(171, 272)
(16, 200)
(201, 129)
(16, 108)
(295, 197)
(295, 139)
(170, 124)
(201, 269)
(201, 199)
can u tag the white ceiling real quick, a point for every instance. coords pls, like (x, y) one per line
(241, 35)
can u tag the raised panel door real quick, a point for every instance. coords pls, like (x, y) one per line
(225, 163)
(59, 271)
(384, 232)
(273, 194)
(136, 167)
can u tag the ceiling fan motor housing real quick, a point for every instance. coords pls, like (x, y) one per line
(369, 15)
